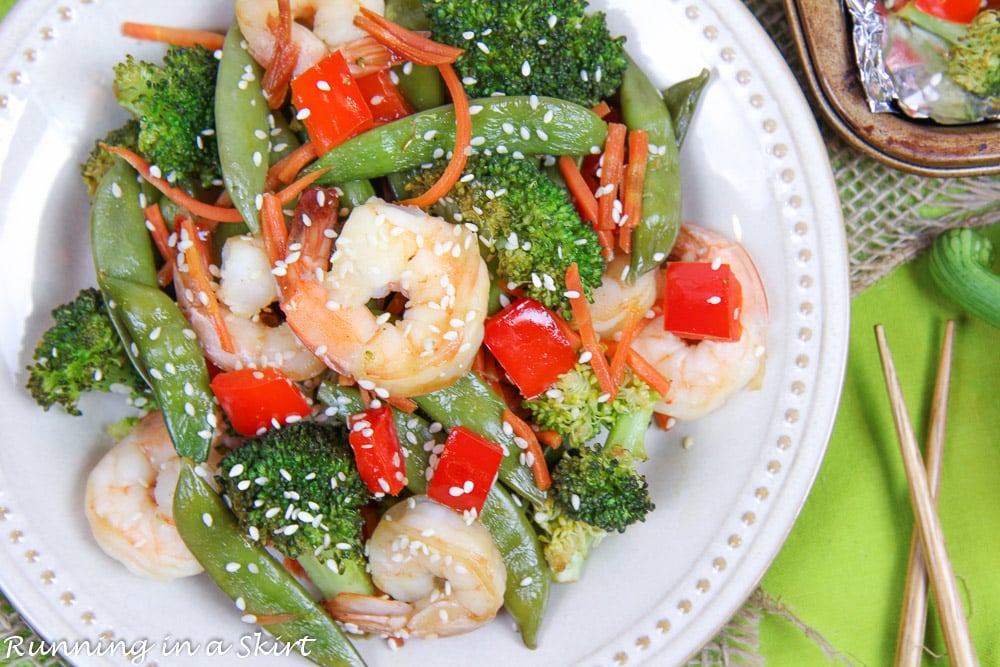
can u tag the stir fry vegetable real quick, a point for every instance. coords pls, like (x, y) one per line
(386, 288)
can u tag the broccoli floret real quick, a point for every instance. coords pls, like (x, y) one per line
(100, 160)
(175, 106)
(595, 489)
(297, 489)
(573, 406)
(541, 47)
(80, 353)
(600, 490)
(601, 485)
(566, 542)
(528, 227)
(974, 61)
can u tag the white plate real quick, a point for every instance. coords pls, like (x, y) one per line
(654, 595)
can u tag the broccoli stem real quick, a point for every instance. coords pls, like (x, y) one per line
(628, 434)
(351, 578)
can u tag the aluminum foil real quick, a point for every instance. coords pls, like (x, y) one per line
(903, 69)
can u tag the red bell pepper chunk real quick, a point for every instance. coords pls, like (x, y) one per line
(256, 400)
(329, 102)
(466, 470)
(702, 301)
(957, 11)
(527, 341)
(384, 98)
(375, 442)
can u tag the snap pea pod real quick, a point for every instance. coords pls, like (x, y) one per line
(421, 85)
(241, 126)
(681, 99)
(643, 108)
(156, 334)
(528, 576)
(512, 124)
(355, 193)
(470, 402)
(263, 589)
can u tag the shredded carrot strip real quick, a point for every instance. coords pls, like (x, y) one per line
(551, 439)
(287, 168)
(403, 404)
(278, 74)
(288, 195)
(176, 36)
(345, 380)
(275, 619)
(647, 372)
(612, 169)
(275, 236)
(632, 187)
(197, 268)
(585, 325)
(463, 139)
(578, 188)
(536, 458)
(158, 231)
(632, 321)
(407, 43)
(602, 109)
(366, 397)
(161, 239)
(663, 421)
(606, 237)
(176, 195)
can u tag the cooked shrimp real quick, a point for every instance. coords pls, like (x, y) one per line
(319, 27)
(617, 297)
(706, 374)
(129, 503)
(232, 319)
(444, 576)
(384, 249)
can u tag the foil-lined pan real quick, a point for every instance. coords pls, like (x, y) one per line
(824, 34)
(903, 69)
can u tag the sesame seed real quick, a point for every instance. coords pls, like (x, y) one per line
(525, 68)
(207, 519)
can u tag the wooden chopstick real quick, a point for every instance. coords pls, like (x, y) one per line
(954, 625)
(913, 617)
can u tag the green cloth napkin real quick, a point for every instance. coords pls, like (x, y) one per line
(842, 569)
